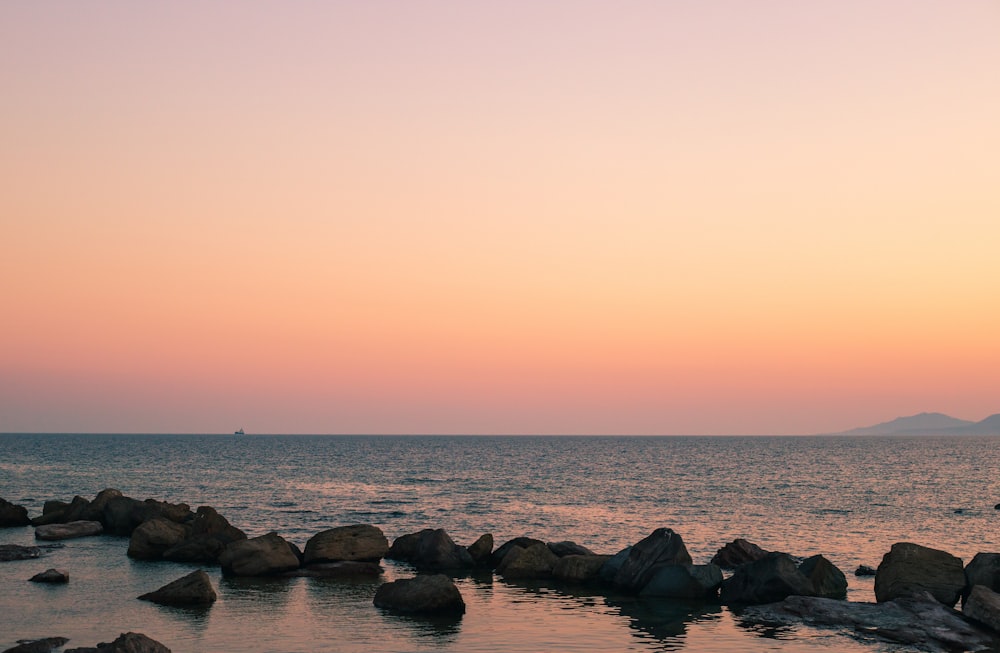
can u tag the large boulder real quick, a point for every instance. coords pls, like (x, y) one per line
(9, 552)
(518, 542)
(770, 579)
(13, 515)
(736, 553)
(266, 555)
(153, 537)
(579, 568)
(210, 533)
(826, 579)
(983, 606)
(431, 550)
(910, 568)
(122, 515)
(68, 530)
(660, 548)
(983, 569)
(536, 561)
(424, 594)
(125, 643)
(361, 542)
(193, 589)
(55, 576)
(481, 549)
(60, 512)
(45, 645)
(684, 582)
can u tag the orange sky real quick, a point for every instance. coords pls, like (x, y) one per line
(472, 217)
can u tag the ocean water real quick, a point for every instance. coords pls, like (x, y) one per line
(849, 499)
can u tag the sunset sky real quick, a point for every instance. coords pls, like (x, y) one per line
(687, 217)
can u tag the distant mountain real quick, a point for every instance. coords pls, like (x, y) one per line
(930, 424)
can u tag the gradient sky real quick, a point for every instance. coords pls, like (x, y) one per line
(690, 217)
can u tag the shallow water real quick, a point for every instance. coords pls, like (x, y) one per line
(847, 498)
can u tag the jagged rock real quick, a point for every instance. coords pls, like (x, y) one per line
(908, 568)
(265, 555)
(481, 549)
(661, 547)
(864, 570)
(51, 576)
(341, 569)
(46, 645)
(770, 579)
(193, 589)
(126, 643)
(983, 569)
(826, 579)
(153, 537)
(501, 552)
(361, 542)
(210, 533)
(536, 561)
(13, 515)
(9, 552)
(579, 568)
(122, 515)
(567, 548)
(736, 553)
(684, 582)
(430, 550)
(68, 530)
(424, 594)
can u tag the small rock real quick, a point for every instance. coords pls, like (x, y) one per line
(45, 645)
(828, 581)
(193, 589)
(424, 594)
(68, 530)
(51, 576)
(9, 552)
(864, 570)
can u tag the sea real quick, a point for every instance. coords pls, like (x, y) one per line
(847, 498)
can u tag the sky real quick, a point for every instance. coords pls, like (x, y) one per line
(639, 217)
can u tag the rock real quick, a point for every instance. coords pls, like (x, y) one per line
(684, 582)
(536, 561)
(122, 515)
(983, 606)
(95, 510)
(983, 569)
(60, 512)
(153, 537)
(567, 548)
(265, 555)
(9, 552)
(13, 515)
(610, 568)
(430, 550)
(481, 549)
(864, 570)
(341, 569)
(826, 579)
(919, 622)
(424, 594)
(501, 552)
(360, 542)
(51, 576)
(193, 589)
(68, 530)
(126, 643)
(997, 507)
(909, 568)
(45, 645)
(579, 568)
(661, 547)
(770, 579)
(210, 533)
(736, 553)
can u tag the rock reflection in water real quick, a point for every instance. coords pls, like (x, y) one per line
(664, 620)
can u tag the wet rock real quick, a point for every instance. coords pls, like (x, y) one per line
(431, 550)
(265, 555)
(59, 512)
(481, 549)
(193, 589)
(341, 569)
(13, 515)
(770, 579)
(910, 568)
(68, 530)
(660, 548)
(736, 553)
(46, 645)
(51, 576)
(424, 594)
(361, 542)
(864, 570)
(151, 538)
(210, 533)
(983, 569)
(122, 515)
(684, 582)
(567, 548)
(983, 605)
(536, 561)
(501, 552)
(610, 568)
(126, 643)
(826, 579)
(579, 568)
(9, 552)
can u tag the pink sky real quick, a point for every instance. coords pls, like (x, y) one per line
(518, 217)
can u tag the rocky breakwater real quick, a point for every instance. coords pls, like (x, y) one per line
(201, 538)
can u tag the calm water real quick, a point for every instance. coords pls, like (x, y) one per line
(847, 498)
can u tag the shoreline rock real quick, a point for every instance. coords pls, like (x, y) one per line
(424, 594)
(54, 576)
(193, 589)
(12, 515)
(68, 530)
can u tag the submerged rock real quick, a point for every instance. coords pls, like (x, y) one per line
(193, 589)
(45, 645)
(424, 594)
(910, 568)
(265, 555)
(125, 643)
(51, 576)
(9, 552)
(360, 542)
(13, 515)
(68, 530)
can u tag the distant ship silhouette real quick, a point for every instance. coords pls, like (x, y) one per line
(240, 432)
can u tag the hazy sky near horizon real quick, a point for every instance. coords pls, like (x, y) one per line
(498, 217)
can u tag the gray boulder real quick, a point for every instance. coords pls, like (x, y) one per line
(910, 568)
(9, 552)
(125, 643)
(361, 542)
(193, 589)
(826, 579)
(431, 550)
(983, 606)
(46, 645)
(983, 569)
(68, 530)
(770, 579)
(266, 555)
(579, 568)
(660, 548)
(684, 582)
(536, 561)
(481, 549)
(567, 548)
(424, 594)
(153, 537)
(13, 515)
(736, 553)
(51, 576)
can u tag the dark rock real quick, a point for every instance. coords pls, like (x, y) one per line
(404, 547)
(770, 579)
(983, 569)
(997, 507)
(864, 570)
(9, 552)
(567, 548)
(75, 511)
(661, 547)
(151, 538)
(983, 606)
(826, 579)
(210, 533)
(736, 553)
(684, 582)
(341, 569)
(579, 568)
(265, 555)
(122, 515)
(46, 645)
(430, 550)
(910, 568)
(68, 530)
(481, 549)
(51, 576)
(610, 568)
(424, 594)
(60, 512)
(126, 643)
(193, 589)
(536, 561)
(501, 552)
(13, 515)
(361, 542)
(95, 510)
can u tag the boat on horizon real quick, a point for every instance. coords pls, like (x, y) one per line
(240, 432)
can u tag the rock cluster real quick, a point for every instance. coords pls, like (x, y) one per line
(12, 515)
